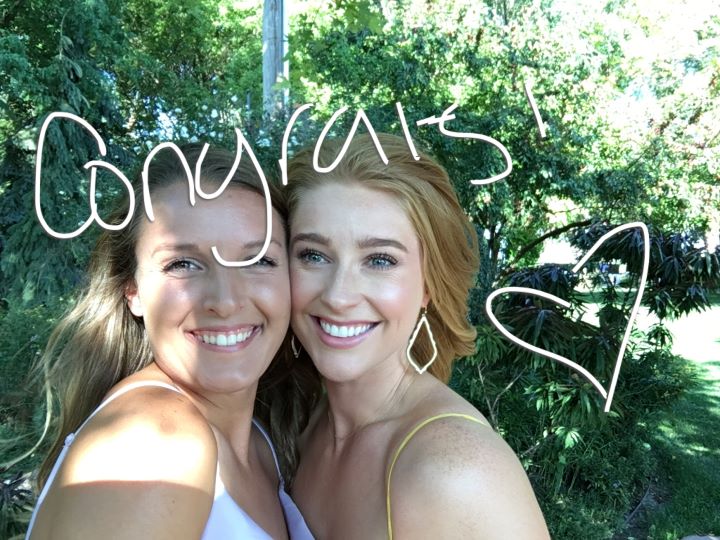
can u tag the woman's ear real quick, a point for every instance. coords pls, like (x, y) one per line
(426, 297)
(133, 300)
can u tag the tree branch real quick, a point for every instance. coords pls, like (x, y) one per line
(710, 140)
(555, 232)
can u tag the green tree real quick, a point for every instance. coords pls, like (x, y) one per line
(598, 165)
(51, 61)
(140, 73)
(630, 136)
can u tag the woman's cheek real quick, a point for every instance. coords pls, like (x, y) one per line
(304, 285)
(276, 290)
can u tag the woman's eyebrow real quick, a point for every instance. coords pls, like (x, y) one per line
(175, 247)
(372, 242)
(368, 242)
(256, 244)
(314, 238)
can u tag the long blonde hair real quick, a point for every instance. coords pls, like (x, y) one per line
(99, 342)
(448, 239)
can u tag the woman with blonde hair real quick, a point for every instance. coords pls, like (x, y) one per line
(382, 258)
(158, 365)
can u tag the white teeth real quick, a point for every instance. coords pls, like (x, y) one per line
(344, 331)
(225, 340)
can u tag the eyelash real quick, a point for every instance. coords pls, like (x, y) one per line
(183, 265)
(267, 261)
(388, 261)
(306, 253)
(180, 265)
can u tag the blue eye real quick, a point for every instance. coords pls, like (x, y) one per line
(381, 261)
(180, 266)
(266, 261)
(311, 256)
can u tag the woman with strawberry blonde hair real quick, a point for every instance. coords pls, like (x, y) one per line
(382, 258)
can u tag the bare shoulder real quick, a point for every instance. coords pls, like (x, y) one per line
(146, 434)
(144, 465)
(468, 482)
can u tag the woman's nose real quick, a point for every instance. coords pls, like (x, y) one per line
(223, 293)
(341, 290)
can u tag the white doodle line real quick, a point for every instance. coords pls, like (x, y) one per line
(606, 394)
(94, 216)
(358, 117)
(193, 186)
(536, 111)
(447, 116)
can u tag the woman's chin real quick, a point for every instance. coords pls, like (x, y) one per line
(340, 371)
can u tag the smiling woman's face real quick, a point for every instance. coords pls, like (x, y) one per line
(356, 275)
(211, 328)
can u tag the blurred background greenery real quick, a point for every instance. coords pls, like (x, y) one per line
(629, 93)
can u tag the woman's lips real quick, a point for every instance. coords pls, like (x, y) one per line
(342, 335)
(225, 340)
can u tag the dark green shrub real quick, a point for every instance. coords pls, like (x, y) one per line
(576, 454)
(16, 504)
(23, 333)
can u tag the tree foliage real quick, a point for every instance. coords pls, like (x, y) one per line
(631, 109)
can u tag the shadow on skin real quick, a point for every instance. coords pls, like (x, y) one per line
(123, 510)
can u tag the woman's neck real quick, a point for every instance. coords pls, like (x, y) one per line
(376, 396)
(229, 414)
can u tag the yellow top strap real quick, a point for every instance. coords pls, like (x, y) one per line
(403, 444)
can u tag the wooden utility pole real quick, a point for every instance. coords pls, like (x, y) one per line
(275, 48)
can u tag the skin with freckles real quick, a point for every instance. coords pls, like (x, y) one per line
(356, 269)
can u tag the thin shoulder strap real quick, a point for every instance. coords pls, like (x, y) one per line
(70, 437)
(404, 443)
(272, 449)
(125, 390)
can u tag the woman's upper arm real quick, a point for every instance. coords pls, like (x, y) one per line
(463, 481)
(142, 469)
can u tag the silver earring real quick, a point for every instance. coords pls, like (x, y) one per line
(423, 321)
(295, 347)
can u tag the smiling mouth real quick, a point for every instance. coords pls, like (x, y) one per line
(345, 331)
(225, 339)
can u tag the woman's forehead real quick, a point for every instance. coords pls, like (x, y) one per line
(350, 198)
(352, 211)
(236, 212)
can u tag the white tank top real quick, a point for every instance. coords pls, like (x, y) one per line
(227, 520)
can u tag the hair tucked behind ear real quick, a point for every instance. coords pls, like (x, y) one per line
(99, 342)
(448, 239)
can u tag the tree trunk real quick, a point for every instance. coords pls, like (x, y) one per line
(274, 50)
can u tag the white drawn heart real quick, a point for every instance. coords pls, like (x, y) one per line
(609, 393)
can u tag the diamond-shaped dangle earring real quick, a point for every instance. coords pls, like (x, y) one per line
(423, 321)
